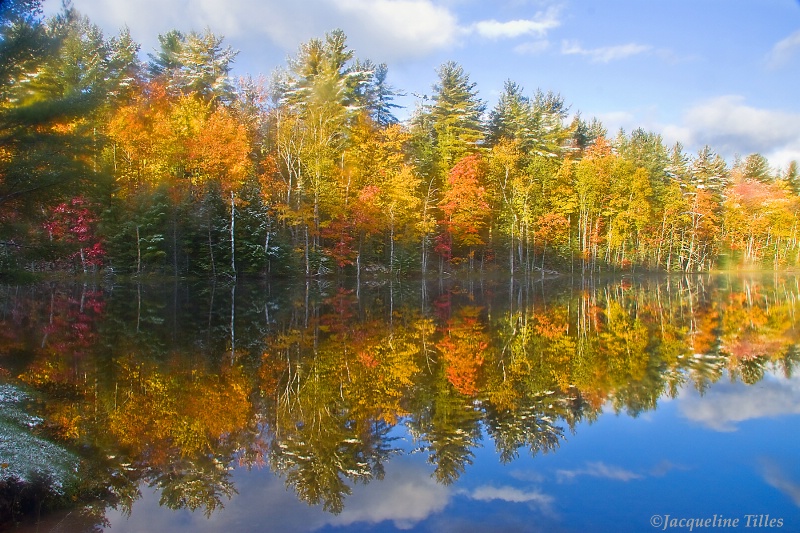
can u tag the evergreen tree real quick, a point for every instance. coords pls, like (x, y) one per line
(548, 135)
(709, 171)
(196, 63)
(377, 95)
(456, 115)
(166, 60)
(677, 168)
(44, 102)
(124, 68)
(23, 43)
(756, 167)
(324, 73)
(206, 65)
(511, 117)
(585, 133)
(319, 100)
(792, 177)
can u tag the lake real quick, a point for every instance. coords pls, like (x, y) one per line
(632, 403)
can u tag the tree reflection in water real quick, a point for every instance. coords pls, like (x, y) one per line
(172, 387)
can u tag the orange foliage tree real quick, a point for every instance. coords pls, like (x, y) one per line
(464, 204)
(462, 347)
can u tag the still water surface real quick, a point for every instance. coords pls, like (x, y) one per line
(628, 404)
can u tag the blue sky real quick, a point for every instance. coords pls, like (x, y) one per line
(716, 72)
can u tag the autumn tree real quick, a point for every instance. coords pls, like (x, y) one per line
(219, 153)
(73, 225)
(592, 182)
(462, 348)
(759, 218)
(509, 191)
(702, 246)
(391, 197)
(319, 96)
(464, 205)
(529, 139)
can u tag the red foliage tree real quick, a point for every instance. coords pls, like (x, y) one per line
(72, 224)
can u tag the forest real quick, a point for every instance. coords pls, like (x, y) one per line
(170, 166)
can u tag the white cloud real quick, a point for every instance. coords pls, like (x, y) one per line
(727, 404)
(537, 26)
(598, 469)
(730, 127)
(261, 494)
(511, 494)
(604, 54)
(492, 29)
(407, 495)
(398, 28)
(784, 50)
(672, 133)
(775, 476)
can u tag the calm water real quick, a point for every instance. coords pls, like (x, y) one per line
(628, 404)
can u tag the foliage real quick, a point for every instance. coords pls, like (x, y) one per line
(186, 171)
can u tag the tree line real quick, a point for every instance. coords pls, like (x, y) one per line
(170, 166)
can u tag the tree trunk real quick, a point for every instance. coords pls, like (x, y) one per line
(211, 250)
(511, 248)
(175, 245)
(138, 252)
(308, 264)
(391, 242)
(266, 252)
(233, 322)
(233, 237)
(544, 249)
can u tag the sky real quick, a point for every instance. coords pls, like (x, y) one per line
(719, 72)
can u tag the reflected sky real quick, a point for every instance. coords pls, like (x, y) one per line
(729, 403)
(687, 459)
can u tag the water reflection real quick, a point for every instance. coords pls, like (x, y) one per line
(168, 387)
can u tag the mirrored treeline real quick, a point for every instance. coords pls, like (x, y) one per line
(172, 385)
